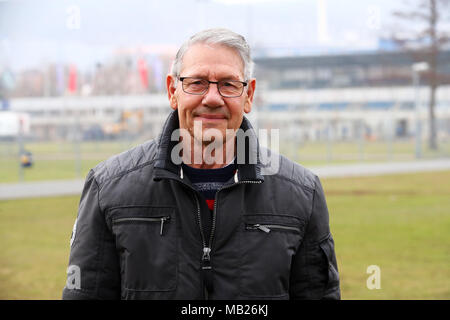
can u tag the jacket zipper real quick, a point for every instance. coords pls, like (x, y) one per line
(206, 250)
(153, 219)
(206, 256)
(267, 227)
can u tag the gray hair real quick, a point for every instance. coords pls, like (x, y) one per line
(220, 36)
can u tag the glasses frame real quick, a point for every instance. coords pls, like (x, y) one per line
(218, 87)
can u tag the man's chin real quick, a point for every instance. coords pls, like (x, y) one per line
(213, 134)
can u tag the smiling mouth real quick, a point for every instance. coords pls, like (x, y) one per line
(210, 117)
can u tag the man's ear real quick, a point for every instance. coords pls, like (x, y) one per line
(250, 94)
(170, 85)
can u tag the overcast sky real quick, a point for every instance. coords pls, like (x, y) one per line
(84, 31)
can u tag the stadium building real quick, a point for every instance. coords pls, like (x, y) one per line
(311, 97)
(342, 95)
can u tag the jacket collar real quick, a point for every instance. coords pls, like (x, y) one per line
(164, 167)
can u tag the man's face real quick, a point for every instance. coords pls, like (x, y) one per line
(213, 63)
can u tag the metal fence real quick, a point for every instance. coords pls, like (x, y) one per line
(25, 159)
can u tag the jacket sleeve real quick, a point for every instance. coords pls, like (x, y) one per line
(314, 271)
(93, 271)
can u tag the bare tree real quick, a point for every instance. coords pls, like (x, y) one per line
(424, 38)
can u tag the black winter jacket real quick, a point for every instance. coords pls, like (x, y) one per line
(139, 232)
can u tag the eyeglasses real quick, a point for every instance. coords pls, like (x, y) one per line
(227, 88)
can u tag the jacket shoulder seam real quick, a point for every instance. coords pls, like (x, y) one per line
(301, 185)
(302, 179)
(125, 172)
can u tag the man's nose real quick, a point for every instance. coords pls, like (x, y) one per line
(212, 97)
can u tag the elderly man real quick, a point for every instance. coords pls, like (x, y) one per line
(176, 219)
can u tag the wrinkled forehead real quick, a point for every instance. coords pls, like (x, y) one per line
(205, 58)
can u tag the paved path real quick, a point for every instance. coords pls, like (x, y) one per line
(372, 169)
(74, 187)
(40, 189)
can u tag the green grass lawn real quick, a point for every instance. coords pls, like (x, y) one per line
(57, 160)
(34, 246)
(320, 153)
(400, 223)
(53, 160)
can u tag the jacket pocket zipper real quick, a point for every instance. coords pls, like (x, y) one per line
(162, 220)
(268, 227)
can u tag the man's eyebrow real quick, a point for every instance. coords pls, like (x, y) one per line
(231, 78)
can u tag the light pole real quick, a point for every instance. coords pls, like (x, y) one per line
(417, 68)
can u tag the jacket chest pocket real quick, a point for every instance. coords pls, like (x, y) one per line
(267, 244)
(146, 240)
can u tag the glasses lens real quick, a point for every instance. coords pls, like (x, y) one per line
(230, 88)
(195, 86)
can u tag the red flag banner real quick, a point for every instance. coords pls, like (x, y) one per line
(143, 72)
(72, 79)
